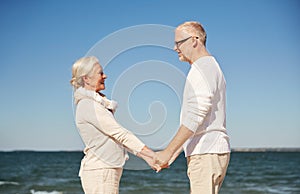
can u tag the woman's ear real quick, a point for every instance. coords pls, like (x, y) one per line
(85, 79)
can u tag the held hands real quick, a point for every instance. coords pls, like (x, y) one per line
(162, 159)
(159, 160)
(165, 159)
(150, 157)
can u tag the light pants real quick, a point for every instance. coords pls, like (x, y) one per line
(101, 181)
(207, 172)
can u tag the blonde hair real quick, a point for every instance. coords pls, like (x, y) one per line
(194, 29)
(82, 67)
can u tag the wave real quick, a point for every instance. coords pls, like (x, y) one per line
(45, 192)
(8, 183)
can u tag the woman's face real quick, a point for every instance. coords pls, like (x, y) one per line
(96, 80)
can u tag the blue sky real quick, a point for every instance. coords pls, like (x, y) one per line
(257, 44)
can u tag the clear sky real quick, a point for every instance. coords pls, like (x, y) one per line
(256, 42)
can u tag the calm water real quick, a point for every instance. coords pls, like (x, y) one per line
(56, 173)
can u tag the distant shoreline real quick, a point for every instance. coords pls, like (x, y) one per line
(265, 149)
(232, 149)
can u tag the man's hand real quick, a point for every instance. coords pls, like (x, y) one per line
(175, 155)
(167, 156)
(163, 158)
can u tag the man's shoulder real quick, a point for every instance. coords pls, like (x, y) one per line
(206, 61)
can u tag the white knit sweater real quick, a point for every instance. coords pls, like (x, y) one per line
(204, 108)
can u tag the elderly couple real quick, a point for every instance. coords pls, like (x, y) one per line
(202, 132)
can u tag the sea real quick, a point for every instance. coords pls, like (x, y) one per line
(30, 172)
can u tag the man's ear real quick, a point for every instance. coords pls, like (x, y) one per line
(195, 43)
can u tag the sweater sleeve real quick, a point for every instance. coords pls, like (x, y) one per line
(104, 121)
(197, 100)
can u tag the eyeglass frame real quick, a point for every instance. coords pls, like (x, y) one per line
(180, 42)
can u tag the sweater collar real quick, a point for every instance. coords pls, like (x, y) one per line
(82, 93)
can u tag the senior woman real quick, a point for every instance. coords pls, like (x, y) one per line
(105, 139)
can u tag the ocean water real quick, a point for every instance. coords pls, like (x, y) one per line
(25, 172)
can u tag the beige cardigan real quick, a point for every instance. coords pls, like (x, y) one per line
(100, 132)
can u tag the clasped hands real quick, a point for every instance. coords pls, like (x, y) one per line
(158, 160)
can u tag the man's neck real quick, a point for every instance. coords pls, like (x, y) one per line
(203, 53)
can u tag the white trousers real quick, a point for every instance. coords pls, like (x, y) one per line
(101, 181)
(207, 172)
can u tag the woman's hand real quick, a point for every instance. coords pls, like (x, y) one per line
(150, 157)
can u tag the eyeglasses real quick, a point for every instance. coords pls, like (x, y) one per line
(178, 43)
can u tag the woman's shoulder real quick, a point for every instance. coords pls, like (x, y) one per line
(88, 103)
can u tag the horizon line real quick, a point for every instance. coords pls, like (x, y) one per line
(235, 149)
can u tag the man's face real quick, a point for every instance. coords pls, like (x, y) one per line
(182, 45)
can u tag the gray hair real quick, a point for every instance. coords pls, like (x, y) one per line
(82, 67)
(194, 29)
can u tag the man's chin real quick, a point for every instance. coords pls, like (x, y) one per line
(182, 58)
